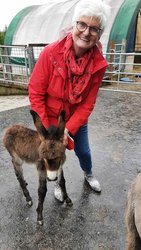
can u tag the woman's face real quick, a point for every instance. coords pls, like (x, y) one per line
(84, 40)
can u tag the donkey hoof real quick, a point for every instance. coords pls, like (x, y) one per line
(69, 202)
(40, 222)
(29, 203)
(58, 194)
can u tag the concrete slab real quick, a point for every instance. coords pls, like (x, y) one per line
(94, 222)
(13, 101)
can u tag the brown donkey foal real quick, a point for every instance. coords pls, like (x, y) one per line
(43, 147)
(133, 215)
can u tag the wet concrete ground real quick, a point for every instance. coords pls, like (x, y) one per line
(94, 222)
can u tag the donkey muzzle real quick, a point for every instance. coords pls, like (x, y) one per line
(52, 175)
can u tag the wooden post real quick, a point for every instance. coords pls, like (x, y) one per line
(31, 59)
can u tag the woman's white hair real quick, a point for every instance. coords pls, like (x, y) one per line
(92, 8)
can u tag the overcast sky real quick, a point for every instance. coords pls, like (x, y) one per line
(9, 8)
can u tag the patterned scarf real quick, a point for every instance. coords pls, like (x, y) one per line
(79, 71)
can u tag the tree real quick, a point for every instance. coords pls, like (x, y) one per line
(2, 35)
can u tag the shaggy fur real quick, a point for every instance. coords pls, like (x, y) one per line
(44, 148)
(133, 215)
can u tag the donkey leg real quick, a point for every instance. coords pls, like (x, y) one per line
(42, 189)
(60, 191)
(133, 238)
(133, 241)
(19, 174)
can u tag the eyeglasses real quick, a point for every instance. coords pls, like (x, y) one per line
(81, 26)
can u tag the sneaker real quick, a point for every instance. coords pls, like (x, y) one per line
(94, 184)
(58, 193)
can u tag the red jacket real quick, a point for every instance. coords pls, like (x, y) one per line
(48, 94)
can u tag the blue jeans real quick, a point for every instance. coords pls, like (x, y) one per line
(82, 149)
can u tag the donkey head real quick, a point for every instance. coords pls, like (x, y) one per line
(51, 149)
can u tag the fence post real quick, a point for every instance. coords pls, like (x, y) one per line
(121, 59)
(123, 49)
(7, 72)
(111, 60)
(31, 59)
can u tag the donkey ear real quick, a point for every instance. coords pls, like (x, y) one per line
(62, 122)
(38, 124)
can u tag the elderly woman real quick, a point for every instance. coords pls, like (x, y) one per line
(67, 76)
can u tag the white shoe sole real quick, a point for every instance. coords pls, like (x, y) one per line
(94, 184)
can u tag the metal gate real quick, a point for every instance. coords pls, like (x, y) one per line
(17, 62)
(123, 72)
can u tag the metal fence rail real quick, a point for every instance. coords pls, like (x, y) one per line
(14, 64)
(123, 72)
(17, 62)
